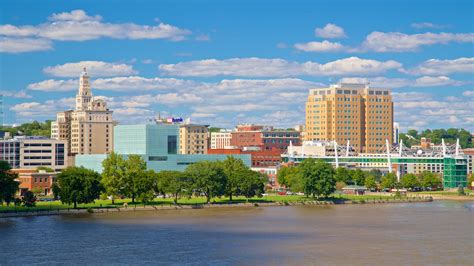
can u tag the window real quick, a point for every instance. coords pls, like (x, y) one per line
(158, 158)
(172, 144)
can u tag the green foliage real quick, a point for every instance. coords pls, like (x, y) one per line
(136, 181)
(214, 129)
(343, 175)
(113, 174)
(376, 173)
(8, 185)
(370, 182)
(340, 185)
(235, 171)
(29, 199)
(318, 177)
(252, 184)
(172, 182)
(429, 179)
(410, 181)
(388, 181)
(290, 178)
(436, 135)
(34, 128)
(461, 191)
(358, 177)
(78, 185)
(208, 178)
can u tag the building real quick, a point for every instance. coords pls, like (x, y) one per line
(354, 190)
(33, 152)
(193, 139)
(158, 144)
(221, 139)
(469, 152)
(36, 181)
(88, 129)
(265, 138)
(350, 112)
(259, 158)
(396, 133)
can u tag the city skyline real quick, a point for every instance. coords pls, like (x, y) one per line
(194, 60)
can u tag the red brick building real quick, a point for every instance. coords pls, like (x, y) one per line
(266, 138)
(31, 179)
(260, 158)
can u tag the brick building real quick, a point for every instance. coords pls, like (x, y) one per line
(32, 179)
(259, 158)
(266, 138)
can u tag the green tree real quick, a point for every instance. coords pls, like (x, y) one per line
(135, 182)
(410, 181)
(342, 175)
(376, 173)
(8, 184)
(370, 182)
(429, 179)
(45, 168)
(358, 176)
(78, 185)
(235, 171)
(340, 185)
(29, 199)
(208, 178)
(318, 177)
(113, 174)
(290, 178)
(252, 184)
(388, 181)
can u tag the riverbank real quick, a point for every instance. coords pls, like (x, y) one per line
(444, 195)
(133, 208)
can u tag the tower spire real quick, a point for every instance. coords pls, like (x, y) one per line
(84, 94)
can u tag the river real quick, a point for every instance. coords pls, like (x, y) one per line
(440, 232)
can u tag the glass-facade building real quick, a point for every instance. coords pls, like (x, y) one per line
(158, 146)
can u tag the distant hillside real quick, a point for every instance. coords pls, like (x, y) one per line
(34, 128)
(413, 137)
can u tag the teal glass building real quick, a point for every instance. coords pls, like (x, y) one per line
(158, 145)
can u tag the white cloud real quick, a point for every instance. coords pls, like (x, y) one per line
(54, 85)
(324, 46)
(15, 94)
(261, 67)
(330, 31)
(22, 45)
(78, 26)
(203, 38)
(97, 68)
(401, 42)
(383, 82)
(443, 67)
(75, 15)
(427, 25)
(46, 109)
(468, 93)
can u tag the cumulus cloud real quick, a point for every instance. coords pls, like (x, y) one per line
(401, 42)
(54, 85)
(98, 68)
(46, 109)
(261, 67)
(78, 26)
(425, 81)
(22, 45)
(468, 93)
(330, 31)
(324, 46)
(443, 67)
(15, 94)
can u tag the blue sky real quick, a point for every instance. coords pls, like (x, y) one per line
(229, 62)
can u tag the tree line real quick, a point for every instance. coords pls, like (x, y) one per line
(9, 188)
(319, 178)
(34, 128)
(129, 178)
(413, 137)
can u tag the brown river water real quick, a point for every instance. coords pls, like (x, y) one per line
(439, 232)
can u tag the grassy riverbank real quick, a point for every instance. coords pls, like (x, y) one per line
(445, 195)
(57, 205)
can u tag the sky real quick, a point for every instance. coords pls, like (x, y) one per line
(228, 62)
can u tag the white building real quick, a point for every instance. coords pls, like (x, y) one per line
(396, 133)
(221, 139)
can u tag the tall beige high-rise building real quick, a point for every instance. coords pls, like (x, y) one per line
(193, 139)
(89, 128)
(353, 112)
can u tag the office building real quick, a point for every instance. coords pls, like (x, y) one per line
(33, 152)
(157, 144)
(193, 139)
(221, 139)
(264, 137)
(350, 112)
(88, 129)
